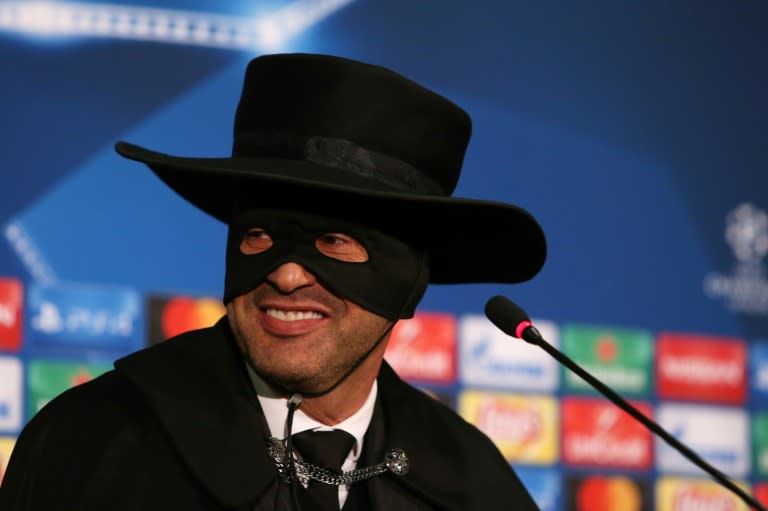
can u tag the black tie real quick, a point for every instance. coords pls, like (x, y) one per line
(326, 449)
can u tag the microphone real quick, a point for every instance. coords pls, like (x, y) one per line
(513, 321)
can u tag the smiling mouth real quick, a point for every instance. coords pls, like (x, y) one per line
(292, 315)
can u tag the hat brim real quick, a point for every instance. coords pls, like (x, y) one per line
(469, 240)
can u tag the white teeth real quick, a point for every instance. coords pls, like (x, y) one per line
(293, 315)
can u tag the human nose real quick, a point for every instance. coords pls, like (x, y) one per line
(290, 276)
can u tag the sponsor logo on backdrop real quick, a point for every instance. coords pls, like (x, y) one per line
(47, 379)
(744, 288)
(423, 348)
(758, 366)
(544, 486)
(620, 358)
(760, 443)
(675, 494)
(523, 427)
(6, 446)
(11, 300)
(597, 433)
(607, 493)
(719, 435)
(11, 374)
(761, 493)
(168, 316)
(701, 368)
(95, 317)
(489, 357)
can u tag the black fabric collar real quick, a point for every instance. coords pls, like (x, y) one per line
(198, 388)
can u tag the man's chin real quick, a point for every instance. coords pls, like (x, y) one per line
(298, 383)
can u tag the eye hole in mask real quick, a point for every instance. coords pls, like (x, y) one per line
(335, 245)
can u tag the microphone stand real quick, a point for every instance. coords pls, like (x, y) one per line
(651, 425)
(530, 334)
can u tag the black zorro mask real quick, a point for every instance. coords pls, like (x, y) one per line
(389, 282)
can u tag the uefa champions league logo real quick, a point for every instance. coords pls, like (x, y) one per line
(745, 290)
(747, 233)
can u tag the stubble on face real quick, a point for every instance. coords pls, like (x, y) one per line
(314, 352)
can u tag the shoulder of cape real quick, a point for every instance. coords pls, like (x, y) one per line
(453, 463)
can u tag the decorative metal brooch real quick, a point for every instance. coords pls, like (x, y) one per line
(395, 461)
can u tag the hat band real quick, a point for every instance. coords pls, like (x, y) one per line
(339, 154)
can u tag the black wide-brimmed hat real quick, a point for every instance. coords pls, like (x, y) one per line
(344, 138)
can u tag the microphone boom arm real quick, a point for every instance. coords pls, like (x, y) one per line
(651, 425)
(504, 313)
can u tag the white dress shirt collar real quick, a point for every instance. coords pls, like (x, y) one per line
(275, 409)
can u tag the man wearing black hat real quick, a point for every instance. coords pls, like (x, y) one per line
(339, 207)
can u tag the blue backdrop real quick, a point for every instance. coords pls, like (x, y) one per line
(631, 130)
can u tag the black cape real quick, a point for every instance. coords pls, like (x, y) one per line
(179, 426)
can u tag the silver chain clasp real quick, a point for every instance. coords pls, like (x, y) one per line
(395, 461)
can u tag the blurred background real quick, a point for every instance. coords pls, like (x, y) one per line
(634, 131)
